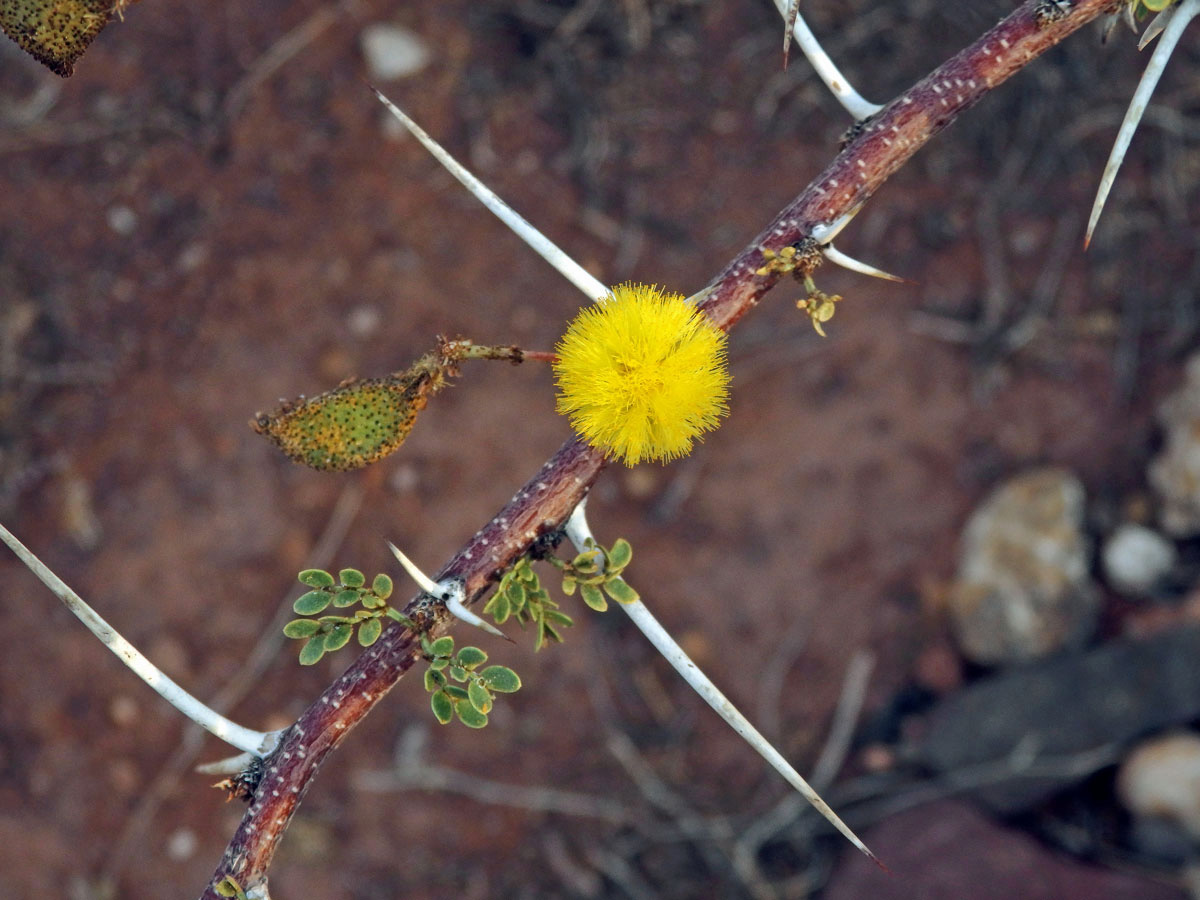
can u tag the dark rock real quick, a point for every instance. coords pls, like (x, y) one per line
(1034, 729)
(948, 851)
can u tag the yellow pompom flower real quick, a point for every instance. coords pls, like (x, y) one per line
(641, 374)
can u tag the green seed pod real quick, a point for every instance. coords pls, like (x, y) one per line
(357, 423)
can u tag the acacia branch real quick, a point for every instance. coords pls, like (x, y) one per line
(883, 144)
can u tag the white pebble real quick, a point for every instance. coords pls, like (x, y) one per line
(122, 220)
(1161, 778)
(181, 845)
(392, 52)
(1136, 559)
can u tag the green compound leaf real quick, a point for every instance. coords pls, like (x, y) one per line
(442, 706)
(469, 715)
(312, 652)
(352, 578)
(439, 663)
(456, 693)
(480, 697)
(338, 637)
(301, 628)
(620, 555)
(554, 617)
(501, 679)
(498, 607)
(316, 578)
(619, 590)
(593, 597)
(568, 585)
(382, 586)
(458, 673)
(443, 646)
(311, 603)
(470, 657)
(369, 631)
(347, 597)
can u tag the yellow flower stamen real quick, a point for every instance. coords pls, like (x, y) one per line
(641, 374)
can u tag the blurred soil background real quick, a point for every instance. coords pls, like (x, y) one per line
(214, 213)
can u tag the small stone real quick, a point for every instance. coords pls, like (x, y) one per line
(122, 220)
(182, 845)
(1175, 473)
(123, 710)
(1137, 559)
(1161, 779)
(1023, 590)
(363, 321)
(392, 52)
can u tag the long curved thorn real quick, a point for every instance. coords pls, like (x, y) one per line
(838, 258)
(542, 245)
(449, 592)
(1180, 16)
(257, 743)
(852, 101)
(580, 534)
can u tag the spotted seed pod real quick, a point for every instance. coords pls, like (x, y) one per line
(357, 423)
(57, 32)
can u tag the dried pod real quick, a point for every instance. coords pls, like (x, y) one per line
(357, 423)
(57, 32)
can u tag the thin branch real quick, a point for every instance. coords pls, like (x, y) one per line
(545, 502)
(845, 718)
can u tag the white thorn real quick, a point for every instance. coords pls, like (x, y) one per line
(1156, 26)
(454, 605)
(231, 765)
(1181, 15)
(258, 743)
(424, 582)
(823, 234)
(542, 245)
(837, 83)
(580, 534)
(449, 592)
(838, 258)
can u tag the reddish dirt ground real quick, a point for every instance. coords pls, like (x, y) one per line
(182, 242)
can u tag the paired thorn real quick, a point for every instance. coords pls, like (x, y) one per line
(450, 592)
(824, 235)
(1170, 23)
